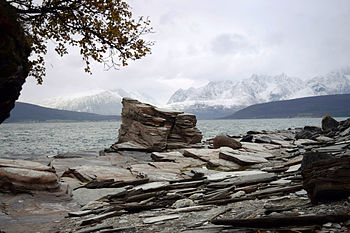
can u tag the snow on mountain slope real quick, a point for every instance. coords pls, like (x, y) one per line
(258, 89)
(100, 102)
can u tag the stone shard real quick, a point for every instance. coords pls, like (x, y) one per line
(145, 127)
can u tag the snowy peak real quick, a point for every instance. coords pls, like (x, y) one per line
(259, 89)
(105, 102)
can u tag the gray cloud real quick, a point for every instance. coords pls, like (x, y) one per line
(232, 44)
(203, 40)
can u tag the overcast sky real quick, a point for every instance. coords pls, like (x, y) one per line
(197, 41)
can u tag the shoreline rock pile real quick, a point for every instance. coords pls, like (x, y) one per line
(263, 181)
(146, 127)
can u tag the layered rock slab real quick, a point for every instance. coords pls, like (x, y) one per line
(146, 127)
(21, 175)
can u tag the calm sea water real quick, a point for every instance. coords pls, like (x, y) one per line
(56, 138)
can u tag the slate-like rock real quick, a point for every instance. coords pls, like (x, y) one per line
(240, 157)
(22, 175)
(327, 179)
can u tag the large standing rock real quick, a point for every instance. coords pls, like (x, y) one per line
(146, 127)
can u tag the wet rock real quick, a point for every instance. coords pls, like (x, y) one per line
(153, 129)
(329, 123)
(222, 140)
(247, 138)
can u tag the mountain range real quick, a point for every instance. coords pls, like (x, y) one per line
(217, 99)
(315, 106)
(221, 98)
(104, 102)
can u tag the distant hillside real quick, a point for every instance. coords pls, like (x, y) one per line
(317, 106)
(30, 112)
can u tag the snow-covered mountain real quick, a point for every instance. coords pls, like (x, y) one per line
(105, 102)
(221, 97)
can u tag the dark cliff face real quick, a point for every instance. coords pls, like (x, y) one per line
(14, 64)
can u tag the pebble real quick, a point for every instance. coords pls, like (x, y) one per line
(183, 203)
(238, 194)
(328, 224)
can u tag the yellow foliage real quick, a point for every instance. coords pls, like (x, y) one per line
(104, 30)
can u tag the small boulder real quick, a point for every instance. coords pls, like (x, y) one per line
(329, 123)
(247, 138)
(308, 132)
(222, 140)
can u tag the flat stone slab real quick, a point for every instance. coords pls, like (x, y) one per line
(83, 195)
(224, 175)
(335, 148)
(130, 146)
(160, 218)
(211, 156)
(25, 164)
(152, 186)
(22, 179)
(294, 168)
(242, 158)
(158, 171)
(104, 172)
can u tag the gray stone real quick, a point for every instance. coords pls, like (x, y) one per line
(83, 195)
(242, 158)
(183, 203)
(294, 168)
(152, 220)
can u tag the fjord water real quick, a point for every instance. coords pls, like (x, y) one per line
(62, 137)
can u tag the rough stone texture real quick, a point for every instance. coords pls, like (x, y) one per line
(222, 140)
(327, 179)
(309, 132)
(14, 65)
(20, 175)
(156, 129)
(328, 123)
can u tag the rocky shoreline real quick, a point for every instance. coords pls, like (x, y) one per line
(293, 180)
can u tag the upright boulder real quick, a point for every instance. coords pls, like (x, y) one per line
(146, 127)
(329, 123)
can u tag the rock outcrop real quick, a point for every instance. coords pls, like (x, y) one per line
(146, 127)
(14, 64)
(22, 175)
